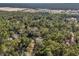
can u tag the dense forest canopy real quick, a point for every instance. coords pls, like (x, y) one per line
(38, 34)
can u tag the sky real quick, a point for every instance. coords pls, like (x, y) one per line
(39, 1)
(42, 5)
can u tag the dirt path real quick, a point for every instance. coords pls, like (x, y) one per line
(30, 48)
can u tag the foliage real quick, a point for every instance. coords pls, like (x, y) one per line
(18, 29)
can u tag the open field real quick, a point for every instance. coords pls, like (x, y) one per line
(31, 10)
